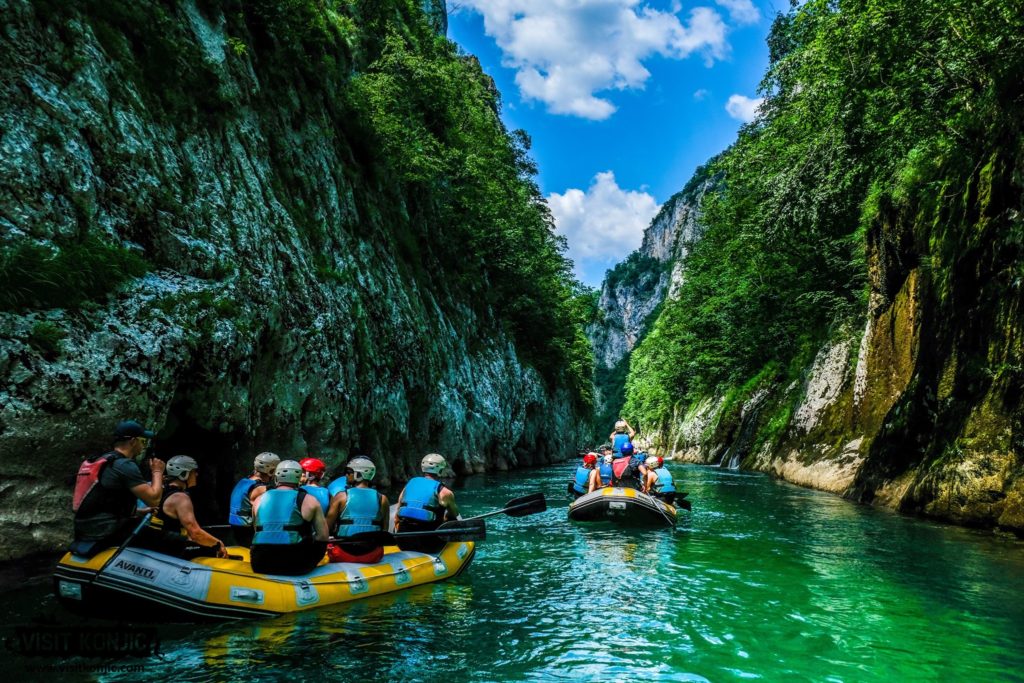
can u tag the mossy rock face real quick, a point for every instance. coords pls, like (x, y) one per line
(244, 288)
(926, 416)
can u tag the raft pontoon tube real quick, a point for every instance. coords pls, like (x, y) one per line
(624, 505)
(148, 584)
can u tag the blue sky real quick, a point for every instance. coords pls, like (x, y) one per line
(623, 100)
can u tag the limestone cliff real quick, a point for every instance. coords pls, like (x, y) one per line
(633, 291)
(266, 299)
(921, 409)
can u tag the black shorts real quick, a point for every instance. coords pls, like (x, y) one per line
(421, 544)
(287, 560)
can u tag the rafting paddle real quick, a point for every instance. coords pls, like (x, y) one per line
(518, 507)
(124, 544)
(456, 530)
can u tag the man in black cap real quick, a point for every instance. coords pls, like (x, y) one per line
(107, 486)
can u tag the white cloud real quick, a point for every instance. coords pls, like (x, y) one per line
(603, 224)
(741, 11)
(565, 51)
(700, 94)
(743, 108)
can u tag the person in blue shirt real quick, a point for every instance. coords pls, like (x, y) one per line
(424, 504)
(246, 491)
(580, 484)
(312, 472)
(658, 480)
(359, 509)
(290, 529)
(622, 435)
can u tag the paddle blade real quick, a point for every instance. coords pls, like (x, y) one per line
(463, 530)
(527, 505)
(685, 504)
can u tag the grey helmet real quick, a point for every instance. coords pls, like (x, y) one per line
(288, 472)
(362, 467)
(266, 463)
(433, 463)
(180, 466)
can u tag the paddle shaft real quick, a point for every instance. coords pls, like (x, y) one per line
(532, 504)
(124, 544)
(498, 512)
(389, 538)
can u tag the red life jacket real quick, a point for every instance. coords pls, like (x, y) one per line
(619, 467)
(88, 477)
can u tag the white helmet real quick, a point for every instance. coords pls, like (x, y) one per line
(180, 466)
(265, 463)
(609, 458)
(288, 472)
(433, 463)
(362, 468)
(652, 462)
(620, 426)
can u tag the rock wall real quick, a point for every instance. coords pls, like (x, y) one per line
(281, 312)
(633, 291)
(921, 409)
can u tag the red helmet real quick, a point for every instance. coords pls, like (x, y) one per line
(590, 459)
(661, 461)
(313, 466)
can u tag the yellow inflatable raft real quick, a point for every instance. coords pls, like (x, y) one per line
(146, 585)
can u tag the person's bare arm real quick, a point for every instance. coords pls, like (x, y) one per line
(398, 507)
(256, 492)
(311, 506)
(180, 506)
(151, 493)
(447, 500)
(335, 508)
(384, 506)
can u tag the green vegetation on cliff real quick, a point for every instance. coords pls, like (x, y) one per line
(451, 190)
(880, 122)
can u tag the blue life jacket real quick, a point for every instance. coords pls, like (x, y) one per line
(240, 512)
(337, 486)
(361, 514)
(420, 502)
(279, 519)
(582, 479)
(618, 442)
(321, 494)
(606, 473)
(664, 483)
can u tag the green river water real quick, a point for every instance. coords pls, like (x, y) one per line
(764, 580)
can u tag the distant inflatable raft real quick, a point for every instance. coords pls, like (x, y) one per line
(144, 582)
(623, 505)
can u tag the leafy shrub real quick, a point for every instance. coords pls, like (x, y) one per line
(46, 338)
(65, 275)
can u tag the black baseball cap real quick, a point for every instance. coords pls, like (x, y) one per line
(127, 429)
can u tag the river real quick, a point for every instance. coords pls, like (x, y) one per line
(764, 580)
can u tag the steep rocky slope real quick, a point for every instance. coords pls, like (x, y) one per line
(632, 294)
(249, 284)
(921, 410)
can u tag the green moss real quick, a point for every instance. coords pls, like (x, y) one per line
(34, 276)
(46, 338)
